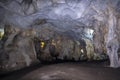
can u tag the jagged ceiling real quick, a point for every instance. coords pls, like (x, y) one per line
(65, 15)
(70, 17)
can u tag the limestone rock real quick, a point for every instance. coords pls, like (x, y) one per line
(18, 49)
(90, 49)
(64, 47)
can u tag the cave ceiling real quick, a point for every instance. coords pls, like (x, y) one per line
(65, 15)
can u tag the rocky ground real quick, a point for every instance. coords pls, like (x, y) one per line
(65, 71)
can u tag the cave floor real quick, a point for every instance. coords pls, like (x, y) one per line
(65, 71)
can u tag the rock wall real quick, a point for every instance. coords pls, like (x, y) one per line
(23, 47)
(63, 46)
(112, 39)
(68, 18)
(99, 37)
(17, 49)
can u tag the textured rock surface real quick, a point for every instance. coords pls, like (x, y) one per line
(62, 46)
(18, 49)
(67, 18)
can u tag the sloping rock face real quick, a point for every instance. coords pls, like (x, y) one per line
(18, 49)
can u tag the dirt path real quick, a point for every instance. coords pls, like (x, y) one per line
(65, 71)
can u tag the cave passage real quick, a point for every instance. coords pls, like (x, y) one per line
(82, 34)
(64, 47)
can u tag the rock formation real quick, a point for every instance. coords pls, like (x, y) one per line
(18, 49)
(55, 28)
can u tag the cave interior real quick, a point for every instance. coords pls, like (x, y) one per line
(36, 32)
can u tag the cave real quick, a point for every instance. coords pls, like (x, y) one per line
(59, 39)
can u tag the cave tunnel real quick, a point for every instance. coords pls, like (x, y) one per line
(63, 48)
(59, 39)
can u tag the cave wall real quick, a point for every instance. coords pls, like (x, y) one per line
(67, 18)
(99, 37)
(65, 46)
(22, 47)
(17, 49)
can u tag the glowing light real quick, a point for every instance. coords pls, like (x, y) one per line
(42, 44)
(1, 33)
(53, 42)
(89, 32)
(82, 51)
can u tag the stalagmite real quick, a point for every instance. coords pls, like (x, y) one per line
(112, 51)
